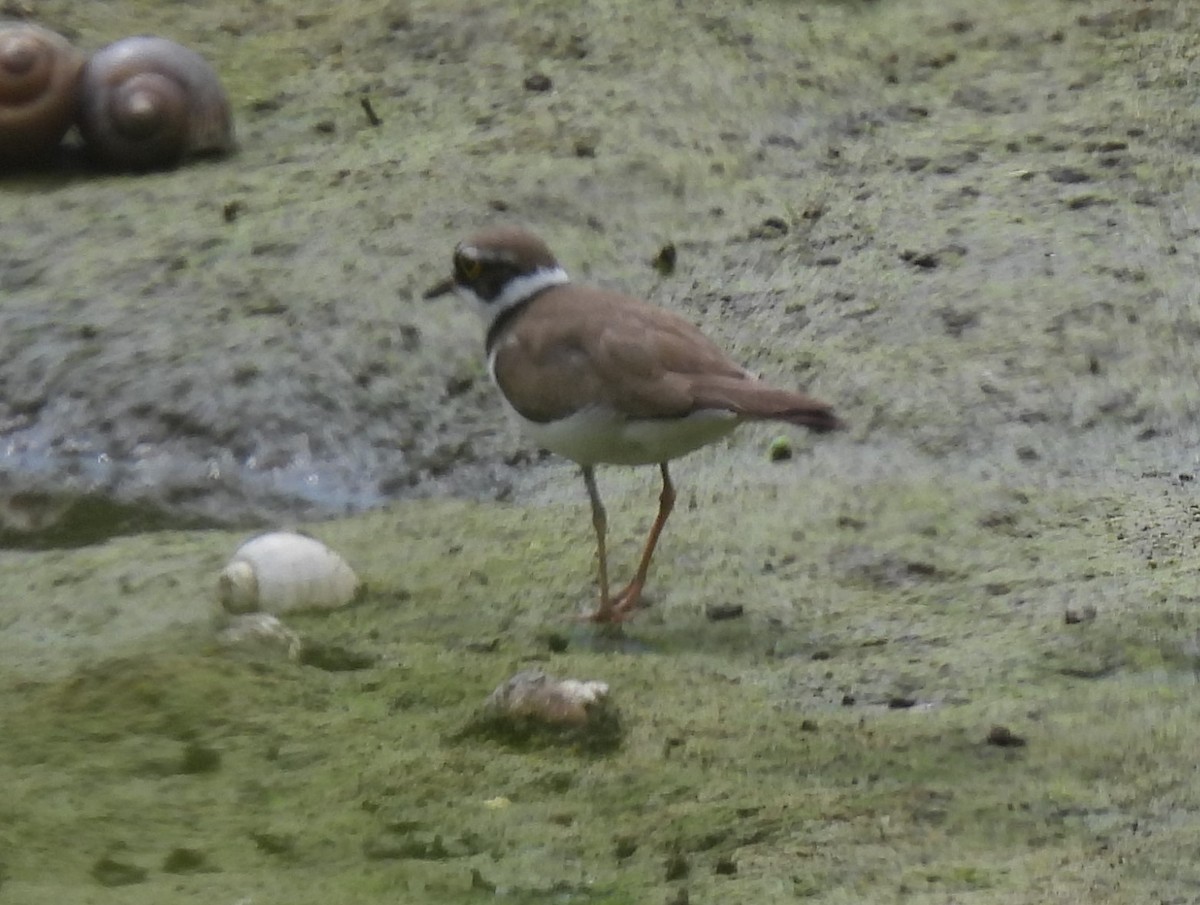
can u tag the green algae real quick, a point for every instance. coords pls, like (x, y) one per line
(743, 755)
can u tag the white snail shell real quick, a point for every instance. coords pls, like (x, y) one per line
(39, 78)
(281, 572)
(147, 102)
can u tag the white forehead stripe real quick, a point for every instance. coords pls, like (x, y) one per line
(475, 253)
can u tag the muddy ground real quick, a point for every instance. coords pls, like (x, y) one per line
(971, 226)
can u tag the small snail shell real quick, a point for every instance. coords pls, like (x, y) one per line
(535, 708)
(148, 102)
(261, 634)
(39, 76)
(280, 572)
(534, 695)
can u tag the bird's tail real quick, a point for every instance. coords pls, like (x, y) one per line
(818, 417)
(757, 401)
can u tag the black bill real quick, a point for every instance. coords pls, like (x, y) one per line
(441, 288)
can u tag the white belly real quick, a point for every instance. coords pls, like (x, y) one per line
(598, 436)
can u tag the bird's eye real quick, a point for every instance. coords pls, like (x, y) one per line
(469, 268)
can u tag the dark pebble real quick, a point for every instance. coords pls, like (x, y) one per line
(1068, 175)
(926, 260)
(274, 843)
(664, 261)
(771, 228)
(334, 658)
(198, 758)
(1003, 737)
(719, 612)
(1075, 617)
(108, 872)
(185, 861)
(677, 867)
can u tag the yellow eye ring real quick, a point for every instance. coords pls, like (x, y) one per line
(469, 268)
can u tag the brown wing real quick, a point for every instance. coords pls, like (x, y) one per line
(573, 348)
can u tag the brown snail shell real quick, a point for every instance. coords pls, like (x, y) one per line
(147, 102)
(39, 76)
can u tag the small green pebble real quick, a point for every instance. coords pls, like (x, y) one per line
(780, 449)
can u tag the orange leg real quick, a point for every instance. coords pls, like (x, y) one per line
(625, 602)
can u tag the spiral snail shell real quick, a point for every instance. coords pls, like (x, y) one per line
(147, 102)
(39, 74)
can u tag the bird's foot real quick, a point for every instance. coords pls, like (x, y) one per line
(618, 608)
(629, 600)
(606, 615)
